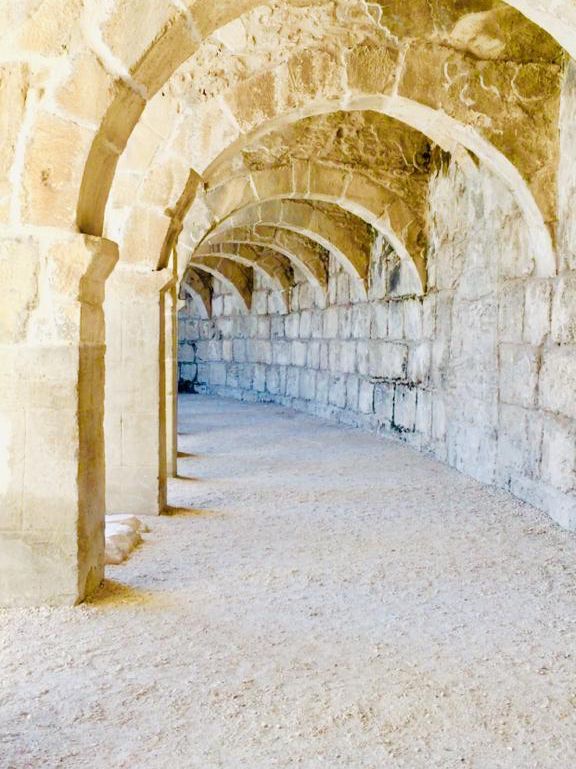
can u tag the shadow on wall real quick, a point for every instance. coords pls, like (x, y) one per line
(185, 386)
(187, 366)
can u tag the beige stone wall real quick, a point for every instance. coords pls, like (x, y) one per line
(481, 371)
(211, 143)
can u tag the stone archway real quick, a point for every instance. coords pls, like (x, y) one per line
(122, 146)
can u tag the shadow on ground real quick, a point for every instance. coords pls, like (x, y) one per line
(191, 512)
(111, 592)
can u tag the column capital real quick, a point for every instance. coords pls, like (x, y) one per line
(48, 275)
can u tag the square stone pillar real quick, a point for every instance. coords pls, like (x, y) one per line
(135, 413)
(51, 416)
(171, 302)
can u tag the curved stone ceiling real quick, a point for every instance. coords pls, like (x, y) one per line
(165, 107)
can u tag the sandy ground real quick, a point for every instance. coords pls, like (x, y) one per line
(319, 597)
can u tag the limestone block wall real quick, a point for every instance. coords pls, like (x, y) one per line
(481, 371)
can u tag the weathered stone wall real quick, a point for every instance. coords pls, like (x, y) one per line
(178, 138)
(481, 371)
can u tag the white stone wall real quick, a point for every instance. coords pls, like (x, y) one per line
(481, 371)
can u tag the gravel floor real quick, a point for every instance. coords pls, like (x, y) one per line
(318, 598)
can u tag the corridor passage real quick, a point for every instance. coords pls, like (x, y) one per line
(319, 597)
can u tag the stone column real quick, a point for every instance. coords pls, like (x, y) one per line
(52, 476)
(171, 369)
(135, 416)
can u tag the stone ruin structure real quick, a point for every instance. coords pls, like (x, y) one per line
(365, 210)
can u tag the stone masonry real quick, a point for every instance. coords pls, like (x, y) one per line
(480, 371)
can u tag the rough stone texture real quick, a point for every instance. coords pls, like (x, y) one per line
(362, 129)
(480, 371)
(123, 533)
(51, 412)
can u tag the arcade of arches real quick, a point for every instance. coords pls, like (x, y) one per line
(363, 210)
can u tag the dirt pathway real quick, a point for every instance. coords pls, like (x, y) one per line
(319, 598)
